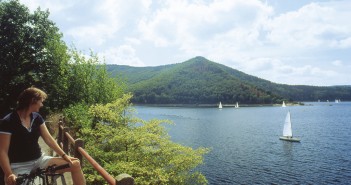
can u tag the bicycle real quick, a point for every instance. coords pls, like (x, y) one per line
(40, 176)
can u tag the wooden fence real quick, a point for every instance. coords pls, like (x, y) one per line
(67, 143)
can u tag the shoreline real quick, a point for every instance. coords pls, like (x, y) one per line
(216, 105)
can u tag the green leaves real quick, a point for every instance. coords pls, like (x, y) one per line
(197, 81)
(33, 54)
(27, 53)
(123, 143)
(89, 81)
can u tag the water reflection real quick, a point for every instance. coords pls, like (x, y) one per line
(288, 147)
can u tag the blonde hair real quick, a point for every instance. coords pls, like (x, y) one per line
(29, 96)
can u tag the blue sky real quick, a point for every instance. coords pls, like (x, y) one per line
(295, 42)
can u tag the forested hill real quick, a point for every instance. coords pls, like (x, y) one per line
(200, 81)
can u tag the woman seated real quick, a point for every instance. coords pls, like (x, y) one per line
(19, 148)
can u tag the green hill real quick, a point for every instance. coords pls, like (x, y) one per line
(200, 81)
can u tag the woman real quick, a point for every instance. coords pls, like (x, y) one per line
(19, 148)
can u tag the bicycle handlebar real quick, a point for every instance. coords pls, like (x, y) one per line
(54, 168)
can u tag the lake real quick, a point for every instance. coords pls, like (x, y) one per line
(245, 145)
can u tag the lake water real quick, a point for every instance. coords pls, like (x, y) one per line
(245, 145)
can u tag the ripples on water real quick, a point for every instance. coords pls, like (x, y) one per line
(246, 148)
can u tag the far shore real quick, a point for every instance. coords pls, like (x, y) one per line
(216, 105)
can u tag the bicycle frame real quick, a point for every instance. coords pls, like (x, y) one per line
(46, 176)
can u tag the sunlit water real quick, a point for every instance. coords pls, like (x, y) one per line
(245, 145)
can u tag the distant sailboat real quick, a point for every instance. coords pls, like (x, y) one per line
(220, 105)
(283, 105)
(237, 105)
(287, 131)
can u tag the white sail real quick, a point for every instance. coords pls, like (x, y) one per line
(220, 105)
(283, 104)
(237, 105)
(287, 131)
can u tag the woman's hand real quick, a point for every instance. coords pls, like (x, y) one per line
(11, 179)
(69, 159)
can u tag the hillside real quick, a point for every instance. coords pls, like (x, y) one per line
(200, 81)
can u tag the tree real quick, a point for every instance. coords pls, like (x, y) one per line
(89, 81)
(125, 144)
(31, 52)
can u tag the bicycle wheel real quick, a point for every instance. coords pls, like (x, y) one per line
(55, 179)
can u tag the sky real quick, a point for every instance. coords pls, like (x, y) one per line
(294, 42)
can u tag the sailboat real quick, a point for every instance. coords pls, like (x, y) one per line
(283, 104)
(237, 105)
(220, 105)
(287, 131)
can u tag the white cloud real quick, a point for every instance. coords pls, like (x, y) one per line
(122, 55)
(133, 41)
(193, 26)
(91, 24)
(337, 63)
(91, 35)
(286, 72)
(342, 43)
(316, 25)
(244, 34)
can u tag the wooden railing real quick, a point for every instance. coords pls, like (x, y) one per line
(67, 143)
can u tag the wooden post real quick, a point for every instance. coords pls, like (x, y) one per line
(59, 135)
(78, 143)
(124, 179)
(65, 140)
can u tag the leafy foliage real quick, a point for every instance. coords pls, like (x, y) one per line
(197, 81)
(89, 81)
(125, 144)
(200, 81)
(79, 116)
(31, 52)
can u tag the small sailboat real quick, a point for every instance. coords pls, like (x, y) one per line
(237, 105)
(287, 131)
(220, 105)
(283, 105)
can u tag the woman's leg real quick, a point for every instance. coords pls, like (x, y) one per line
(75, 169)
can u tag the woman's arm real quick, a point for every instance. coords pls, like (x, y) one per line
(4, 158)
(50, 141)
